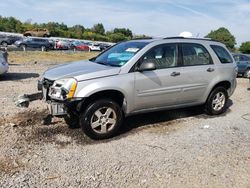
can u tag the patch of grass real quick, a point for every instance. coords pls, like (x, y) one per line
(51, 56)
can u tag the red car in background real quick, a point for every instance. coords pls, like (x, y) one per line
(62, 45)
(77, 45)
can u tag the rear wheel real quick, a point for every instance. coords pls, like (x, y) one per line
(101, 119)
(217, 101)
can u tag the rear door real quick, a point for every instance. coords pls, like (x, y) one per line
(196, 73)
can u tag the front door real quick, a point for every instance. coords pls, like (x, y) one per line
(160, 87)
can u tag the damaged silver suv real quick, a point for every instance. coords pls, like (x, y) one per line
(140, 76)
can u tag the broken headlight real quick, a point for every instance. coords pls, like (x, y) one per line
(63, 89)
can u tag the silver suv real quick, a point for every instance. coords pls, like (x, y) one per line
(140, 76)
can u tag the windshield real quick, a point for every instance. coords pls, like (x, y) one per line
(120, 54)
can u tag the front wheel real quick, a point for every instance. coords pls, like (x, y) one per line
(217, 101)
(101, 119)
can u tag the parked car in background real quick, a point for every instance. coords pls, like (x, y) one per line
(94, 47)
(31, 42)
(37, 33)
(4, 67)
(104, 46)
(52, 43)
(243, 63)
(78, 45)
(62, 45)
(6, 40)
(140, 76)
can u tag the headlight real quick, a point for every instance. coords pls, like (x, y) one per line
(63, 89)
(69, 87)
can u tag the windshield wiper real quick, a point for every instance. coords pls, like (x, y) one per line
(102, 63)
(107, 64)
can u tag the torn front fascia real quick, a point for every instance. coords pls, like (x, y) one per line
(24, 100)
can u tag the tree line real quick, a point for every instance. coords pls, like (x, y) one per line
(98, 32)
(223, 35)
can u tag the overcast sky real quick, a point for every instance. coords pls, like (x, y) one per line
(159, 18)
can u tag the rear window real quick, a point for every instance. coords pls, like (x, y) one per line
(222, 54)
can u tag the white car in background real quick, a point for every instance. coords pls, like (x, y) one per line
(94, 47)
(4, 67)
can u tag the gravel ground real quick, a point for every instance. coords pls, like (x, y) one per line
(180, 148)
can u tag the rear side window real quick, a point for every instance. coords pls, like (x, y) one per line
(195, 54)
(222, 54)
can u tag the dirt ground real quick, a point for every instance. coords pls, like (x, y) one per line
(180, 148)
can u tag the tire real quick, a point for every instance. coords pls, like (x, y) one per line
(217, 101)
(72, 121)
(4, 44)
(43, 48)
(102, 119)
(23, 46)
(247, 73)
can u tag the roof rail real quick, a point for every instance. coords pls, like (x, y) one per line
(192, 38)
(141, 38)
(174, 37)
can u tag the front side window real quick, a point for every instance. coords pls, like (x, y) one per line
(120, 54)
(222, 54)
(163, 56)
(195, 54)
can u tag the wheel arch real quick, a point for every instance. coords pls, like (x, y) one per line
(226, 84)
(112, 94)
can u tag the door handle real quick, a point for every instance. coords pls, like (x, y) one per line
(210, 69)
(175, 74)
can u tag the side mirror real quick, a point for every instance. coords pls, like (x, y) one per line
(147, 66)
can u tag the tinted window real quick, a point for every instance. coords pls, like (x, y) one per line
(39, 40)
(195, 54)
(163, 56)
(222, 54)
(244, 58)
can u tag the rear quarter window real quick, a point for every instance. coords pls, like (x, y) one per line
(222, 54)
